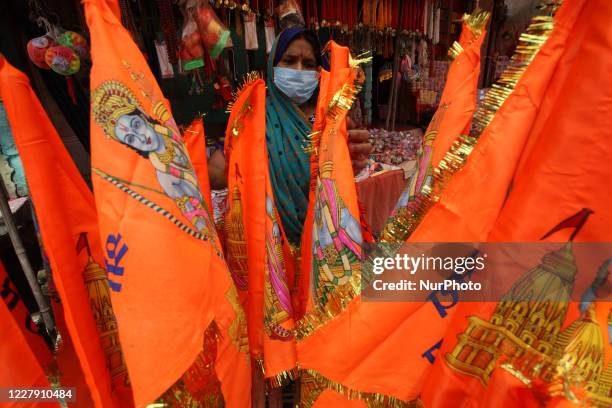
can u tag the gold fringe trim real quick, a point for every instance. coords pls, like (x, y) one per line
(311, 143)
(337, 301)
(340, 104)
(408, 218)
(372, 400)
(455, 50)
(283, 378)
(530, 43)
(361, 59)
(343, 99)
(477, 21)
(249, 79)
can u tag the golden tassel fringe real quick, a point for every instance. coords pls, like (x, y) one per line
(372, 400)
(340, 103)
(283, 378)
(363, 58)
(476, 21)
(455, 50)
(530, 43)
(337, 301)
(248, 79)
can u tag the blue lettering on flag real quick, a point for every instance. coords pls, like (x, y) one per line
(115, 253)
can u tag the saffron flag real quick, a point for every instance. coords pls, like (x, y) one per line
(13, 300)
(21, 367)
(452, 119)
(512, 103)
(332, 241)
(368, 334)
(558, 195)
(167, 274)
(66, 212)
(258, 255)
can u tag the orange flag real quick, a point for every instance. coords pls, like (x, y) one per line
(195, 142)
(21, 315)
(66, 213)
(452, 119)
(255, 244)
(369, 350)
(20, 365)
(166, 270)
(513, 102)
(557, 194)
(332, 239)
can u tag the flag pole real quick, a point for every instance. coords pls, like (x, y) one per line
(41, 301)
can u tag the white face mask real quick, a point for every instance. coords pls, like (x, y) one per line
(299, 85)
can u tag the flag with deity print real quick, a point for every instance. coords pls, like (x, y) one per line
(170, 286)
(66, 218)
(332, 242)
(258, 255)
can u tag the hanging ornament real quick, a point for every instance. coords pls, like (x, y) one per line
(213, 32)
(75, 41)
(63, 60)
(37, 47)
(250, 32)
(192, 49)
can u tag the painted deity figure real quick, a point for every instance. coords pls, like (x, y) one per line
(277, 297)
(337, 238)
(156, 138)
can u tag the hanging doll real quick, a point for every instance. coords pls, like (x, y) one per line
(223, 92)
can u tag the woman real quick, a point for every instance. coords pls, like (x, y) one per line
(292, 83)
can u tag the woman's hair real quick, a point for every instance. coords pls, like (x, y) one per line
(290, 35)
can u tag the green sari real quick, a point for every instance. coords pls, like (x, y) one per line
(289, 166)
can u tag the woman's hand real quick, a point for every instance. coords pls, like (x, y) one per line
(359, 145)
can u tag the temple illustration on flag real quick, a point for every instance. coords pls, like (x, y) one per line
(102, 309)
(525, 334)
(235, 241)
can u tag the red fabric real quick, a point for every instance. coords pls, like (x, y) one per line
(20, 366)
(379, 195)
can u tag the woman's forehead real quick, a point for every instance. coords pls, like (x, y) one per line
(300, 47)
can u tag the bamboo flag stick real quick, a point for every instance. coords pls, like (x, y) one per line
(41, 301)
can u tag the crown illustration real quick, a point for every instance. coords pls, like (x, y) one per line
(110, 101)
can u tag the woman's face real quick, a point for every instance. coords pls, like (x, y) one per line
(299, 55)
